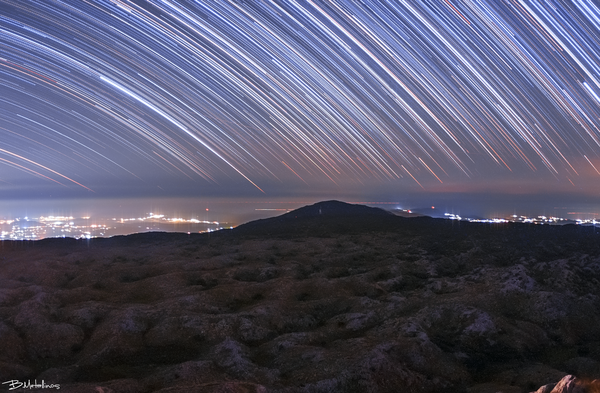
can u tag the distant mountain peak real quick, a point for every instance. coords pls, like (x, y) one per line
(335, 208)
(322, 218)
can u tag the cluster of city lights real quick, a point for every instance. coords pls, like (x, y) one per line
(50, 226)
(84, 228)
(161, 217)
(524, 219)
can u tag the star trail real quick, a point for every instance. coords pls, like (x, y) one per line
(266, 97)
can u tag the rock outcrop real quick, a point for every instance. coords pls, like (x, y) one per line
(571, 384)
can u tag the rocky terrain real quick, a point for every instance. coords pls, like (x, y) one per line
(328, 298)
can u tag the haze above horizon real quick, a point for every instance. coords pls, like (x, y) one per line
(478, 107)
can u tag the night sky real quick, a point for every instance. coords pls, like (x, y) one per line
(251, 98)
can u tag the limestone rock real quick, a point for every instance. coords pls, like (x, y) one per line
(569, 384)
(118, 338)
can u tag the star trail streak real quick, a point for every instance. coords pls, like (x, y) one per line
(284, 94)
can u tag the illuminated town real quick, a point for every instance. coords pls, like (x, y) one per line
(541, 220)
(28, 228)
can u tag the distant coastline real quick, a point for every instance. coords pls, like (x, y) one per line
(207, 220)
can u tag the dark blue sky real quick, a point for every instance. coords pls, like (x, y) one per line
(364, 99)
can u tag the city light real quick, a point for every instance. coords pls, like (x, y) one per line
(87, 228)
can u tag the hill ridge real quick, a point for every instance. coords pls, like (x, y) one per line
(322, 217)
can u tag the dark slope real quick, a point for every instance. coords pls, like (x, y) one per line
(440, 236)
(335, 208)
(333, 218)
(321, 219)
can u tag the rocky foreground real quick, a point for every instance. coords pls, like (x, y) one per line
(330, 298)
